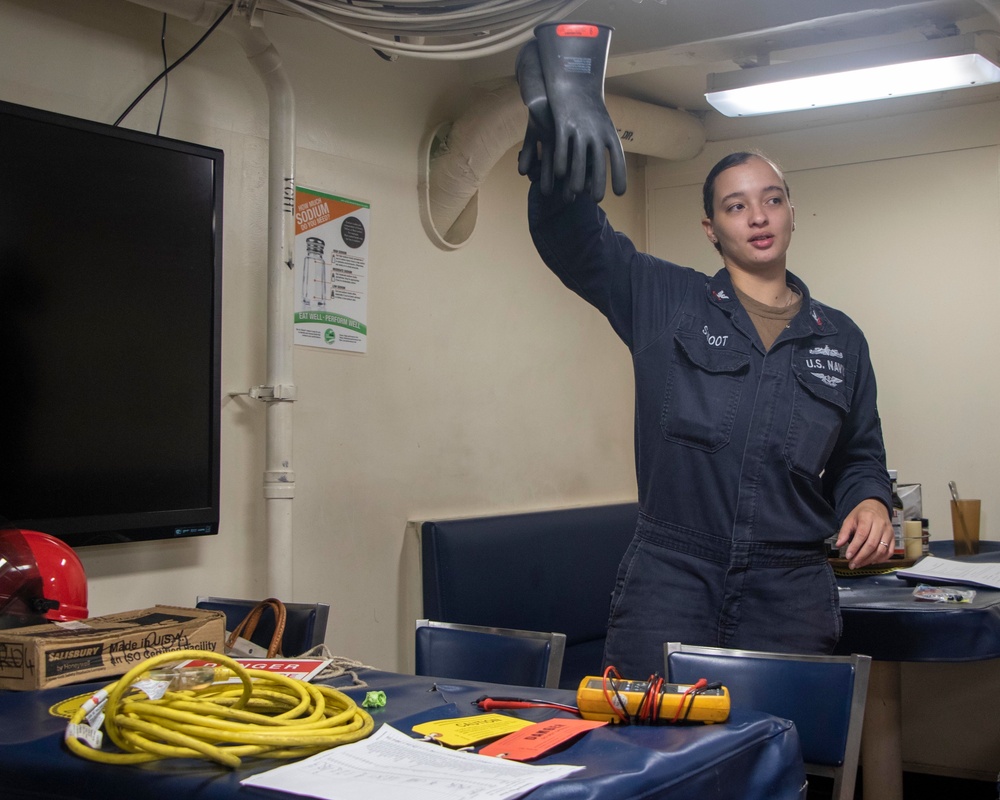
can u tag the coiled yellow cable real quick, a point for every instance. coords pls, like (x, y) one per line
(266, 715)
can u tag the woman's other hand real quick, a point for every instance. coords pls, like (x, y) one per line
(869, 531)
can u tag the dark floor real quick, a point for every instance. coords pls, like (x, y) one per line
(917, 786)
(935, 787)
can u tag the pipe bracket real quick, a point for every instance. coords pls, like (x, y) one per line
(286, 392)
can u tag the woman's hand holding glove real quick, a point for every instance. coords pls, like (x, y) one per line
(561, 77)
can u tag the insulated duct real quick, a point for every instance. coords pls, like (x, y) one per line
(457, 157)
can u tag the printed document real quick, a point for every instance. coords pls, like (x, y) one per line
(389, 765)
(943, 570)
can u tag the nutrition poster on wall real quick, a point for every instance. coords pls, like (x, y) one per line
(331, 271)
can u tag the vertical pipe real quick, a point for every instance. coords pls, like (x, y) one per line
(279, 478)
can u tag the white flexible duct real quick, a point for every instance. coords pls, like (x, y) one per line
(279, 478)
(456, 159)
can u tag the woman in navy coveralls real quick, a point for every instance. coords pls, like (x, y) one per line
(757, 435)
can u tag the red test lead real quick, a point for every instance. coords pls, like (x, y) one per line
(486, 703)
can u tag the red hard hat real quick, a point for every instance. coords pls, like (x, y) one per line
(40, 576)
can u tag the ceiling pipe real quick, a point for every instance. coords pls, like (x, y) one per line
(279, 392)
(198, 12)
(456, 158)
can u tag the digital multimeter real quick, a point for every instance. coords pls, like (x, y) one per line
(597, 698)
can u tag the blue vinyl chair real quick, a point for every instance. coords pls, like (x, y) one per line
(823, 695)
(489, 655)
(305, 623)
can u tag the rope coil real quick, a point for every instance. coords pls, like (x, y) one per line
(266, 715)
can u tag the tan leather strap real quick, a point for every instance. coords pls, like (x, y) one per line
(249, 624)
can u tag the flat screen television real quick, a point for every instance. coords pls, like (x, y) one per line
(110, 341)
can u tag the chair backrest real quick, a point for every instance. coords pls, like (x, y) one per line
(563, 574)
(305, 623)
(823, 695)
(489, 655)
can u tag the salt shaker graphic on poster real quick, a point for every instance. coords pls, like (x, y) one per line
(331, 271)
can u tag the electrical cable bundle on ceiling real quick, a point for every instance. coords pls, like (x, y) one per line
(401, 27)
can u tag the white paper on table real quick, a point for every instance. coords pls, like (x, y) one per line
(944, 570)
(389, 765)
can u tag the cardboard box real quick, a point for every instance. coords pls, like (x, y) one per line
(42, 656)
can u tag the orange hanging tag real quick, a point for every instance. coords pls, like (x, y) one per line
(538, 739)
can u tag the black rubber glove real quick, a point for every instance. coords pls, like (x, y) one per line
(573, 58)
(535, 158)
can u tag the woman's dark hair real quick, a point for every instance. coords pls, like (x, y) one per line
(732, 160)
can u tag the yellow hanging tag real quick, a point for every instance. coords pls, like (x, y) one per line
(466, 731)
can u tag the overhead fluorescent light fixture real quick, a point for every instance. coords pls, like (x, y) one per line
(935, 65)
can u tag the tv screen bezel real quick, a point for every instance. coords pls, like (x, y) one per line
(151, 524)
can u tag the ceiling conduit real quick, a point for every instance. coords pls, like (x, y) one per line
(457, 157)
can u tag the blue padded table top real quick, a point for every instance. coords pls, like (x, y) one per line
(753, 755)
(883, 619)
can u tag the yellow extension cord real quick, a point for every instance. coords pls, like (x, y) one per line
(266, 715)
